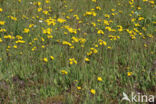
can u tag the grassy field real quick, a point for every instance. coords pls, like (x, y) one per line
(76, 51)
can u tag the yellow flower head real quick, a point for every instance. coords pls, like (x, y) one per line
(1, 40)
(26, 30)
(15, 46)
(64, 72)
(93, 91)
(100, 32)
(51, 57)
(129, 73)
(72, 61)
(87, 59)
(45, 59)
(2, 22)
(99, 79)
(19, 1)
(93, 0)
(61, 20)
(78, 87)
(106, 22)
(1, 9)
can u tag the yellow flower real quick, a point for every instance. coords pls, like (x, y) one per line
(141, 18)
(106, 22)
(8, 37)
(93, 0)
(43, 46)
(77, 17)
(101, 42)
(70, 10)
(13, 18)
(38, 3)
(129, 73)
(1, 9)
(145, 45)
(139, 8)
(45, 12)
(94, 24)
(137, 24)
(51, 57)
(2, 22)
(89, 13)
(107, 15)
(64, 72)
(26, 30)
(78, 87)
(39, 9)
(19, 37)
(9, 47)
(120, 28)
(112, 10)
(34, 48)
(20, 41)
(72, 61)
(109, 47)
(49, 36)
(2, 30)
(99, 79)
(108, 28)
(93, 50)
(61, 20)
(66, 43)
(31, 25)
(87, 59)
(15, 46)
(151, 1)
(47, 31)
(47, 1)
(19, 1)
(50, 21)
(75, 40)
(98, 8)
(150, 35)
(100, 32)
(89, 53)
(132, 37)
(154, 22)
(45, 59)
(1, 40)
(93, 91)
(71, 30)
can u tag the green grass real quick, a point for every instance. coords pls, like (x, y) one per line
(25, 78)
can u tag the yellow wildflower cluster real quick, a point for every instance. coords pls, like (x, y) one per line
(101, 42)
(72, 61)
(92, 51)
(47, 31)
(90, 13)
(113, 37)
(71, 30)
(64, 72)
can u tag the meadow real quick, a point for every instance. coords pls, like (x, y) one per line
(76, 51)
